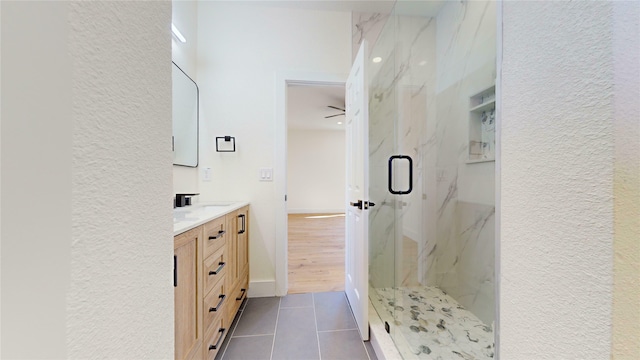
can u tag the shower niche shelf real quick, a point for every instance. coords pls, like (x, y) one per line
(482, 121)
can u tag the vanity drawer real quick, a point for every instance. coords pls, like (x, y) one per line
(215, 303)
(238, 295)
(215, 269)
(214, 235)
(213, 339)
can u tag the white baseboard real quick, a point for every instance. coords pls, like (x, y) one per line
(315, 211)
(262, 288)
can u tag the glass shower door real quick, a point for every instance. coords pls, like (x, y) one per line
(382, 145)
(432, 151)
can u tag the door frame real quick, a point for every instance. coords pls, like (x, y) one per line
(283, 79)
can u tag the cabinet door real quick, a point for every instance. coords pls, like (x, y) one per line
(188, 323)
(232, 248)
(242, 255)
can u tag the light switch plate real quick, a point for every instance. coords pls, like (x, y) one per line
(265, 174)
(206, 174)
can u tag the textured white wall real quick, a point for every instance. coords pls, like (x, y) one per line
(184, 16)
(241, 49)
(315, 171)
(557, 189)
(0, 184)
(626, 187)
(36, 178)
(86, 152)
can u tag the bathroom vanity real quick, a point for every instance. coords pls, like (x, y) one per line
(211, 274)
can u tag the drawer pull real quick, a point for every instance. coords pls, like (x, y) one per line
(244, 223)
(244, 292)
(222, 264)
(220, 233)
(222, 297)
(215, 347)
(175, 271)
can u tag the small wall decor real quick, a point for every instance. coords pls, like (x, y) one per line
(227, 145)
(482, 126)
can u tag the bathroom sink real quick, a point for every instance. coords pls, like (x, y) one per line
(177, 220)
(216, 206)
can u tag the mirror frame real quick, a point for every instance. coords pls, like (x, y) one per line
(197, 117)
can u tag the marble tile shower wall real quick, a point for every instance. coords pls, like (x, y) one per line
(462, 254)
(419, 101)
(365, 25)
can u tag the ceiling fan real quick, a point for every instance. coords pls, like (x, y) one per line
(337, 108)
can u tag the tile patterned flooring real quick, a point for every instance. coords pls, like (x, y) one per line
(433, 324)
(298, 326)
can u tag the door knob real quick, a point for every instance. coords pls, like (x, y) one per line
(357, 204)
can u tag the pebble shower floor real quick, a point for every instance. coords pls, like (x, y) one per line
(432, 325)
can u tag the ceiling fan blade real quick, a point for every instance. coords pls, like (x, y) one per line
(330, 116)
(337, 108)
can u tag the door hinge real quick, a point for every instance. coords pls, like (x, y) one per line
(285, 198)
(387, 327)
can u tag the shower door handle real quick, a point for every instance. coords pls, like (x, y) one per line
(400, 192)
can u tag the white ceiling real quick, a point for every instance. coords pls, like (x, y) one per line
(307, 107)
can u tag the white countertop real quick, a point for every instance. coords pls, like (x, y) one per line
(189, 217)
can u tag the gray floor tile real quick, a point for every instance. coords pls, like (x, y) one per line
(296, 336)
(296, 300)
(333, 312)
(342, 345)
(258, 317)
(370, 351)
(250, 347)
(298, 319)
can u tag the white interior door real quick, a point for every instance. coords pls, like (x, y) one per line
(357, 219)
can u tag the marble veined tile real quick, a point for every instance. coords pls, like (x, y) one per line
(433, 325)
(366, 25)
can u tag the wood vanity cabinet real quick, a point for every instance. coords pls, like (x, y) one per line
(187, 250)
(238, 244)
(216, 295)
(242, 256)
(213, 259)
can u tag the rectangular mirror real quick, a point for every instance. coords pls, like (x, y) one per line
(185, 119)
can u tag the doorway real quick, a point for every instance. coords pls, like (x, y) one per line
(315, 187)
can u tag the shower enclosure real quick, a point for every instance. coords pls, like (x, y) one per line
(432, 178)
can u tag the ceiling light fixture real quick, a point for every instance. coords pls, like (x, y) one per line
(339, 122)
(377, 59)
(177, 34)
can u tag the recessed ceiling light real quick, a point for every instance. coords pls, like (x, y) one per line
(422, 63)
(339, 122)
(377, 59)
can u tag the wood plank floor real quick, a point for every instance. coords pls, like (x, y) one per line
(316, 253)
